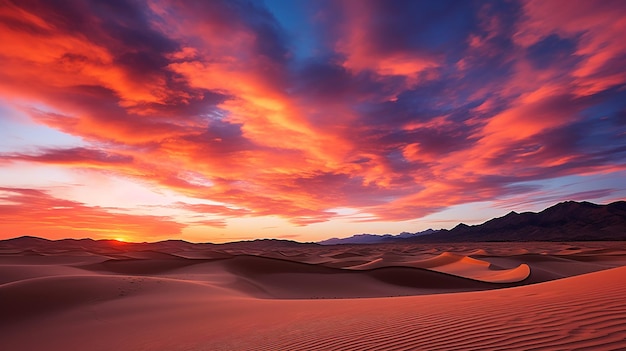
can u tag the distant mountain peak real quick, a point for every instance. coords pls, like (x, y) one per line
(365, 238)
(461, 225)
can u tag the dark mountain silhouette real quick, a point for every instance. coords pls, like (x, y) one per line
(374, 238)
(565, 221)
(105, 246)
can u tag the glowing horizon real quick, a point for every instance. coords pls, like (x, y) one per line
(235, 120)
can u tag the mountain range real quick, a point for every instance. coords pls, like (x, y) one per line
(565, 221)
(374, 238)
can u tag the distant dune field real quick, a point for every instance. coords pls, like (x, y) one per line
(268, 296)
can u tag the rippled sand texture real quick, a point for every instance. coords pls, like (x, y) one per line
(268, 296)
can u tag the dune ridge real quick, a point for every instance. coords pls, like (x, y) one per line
(458, 265)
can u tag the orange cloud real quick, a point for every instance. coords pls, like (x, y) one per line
(34, 212)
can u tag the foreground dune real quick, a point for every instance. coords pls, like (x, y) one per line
(140, 300)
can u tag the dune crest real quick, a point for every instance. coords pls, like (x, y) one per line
(458, 265)
(472, 268)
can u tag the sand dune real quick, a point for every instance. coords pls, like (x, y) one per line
(285, 279)
(473, 268)
(402, 298)
(458, 265)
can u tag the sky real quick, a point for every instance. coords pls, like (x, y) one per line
(215, 121)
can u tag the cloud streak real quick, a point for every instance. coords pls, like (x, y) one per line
(35, 212)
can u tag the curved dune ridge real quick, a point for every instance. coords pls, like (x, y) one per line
(354, 298)
(458, 265)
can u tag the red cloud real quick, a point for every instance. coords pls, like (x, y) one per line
(365, 49)
(600, 27)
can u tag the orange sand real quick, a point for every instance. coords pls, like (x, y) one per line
(429, 297)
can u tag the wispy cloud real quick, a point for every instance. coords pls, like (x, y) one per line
(35, 212)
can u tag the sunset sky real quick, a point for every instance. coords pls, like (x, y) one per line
(232, 120)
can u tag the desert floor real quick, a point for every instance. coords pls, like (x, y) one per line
(267, 296)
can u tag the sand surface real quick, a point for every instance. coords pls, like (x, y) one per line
(479, 296)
